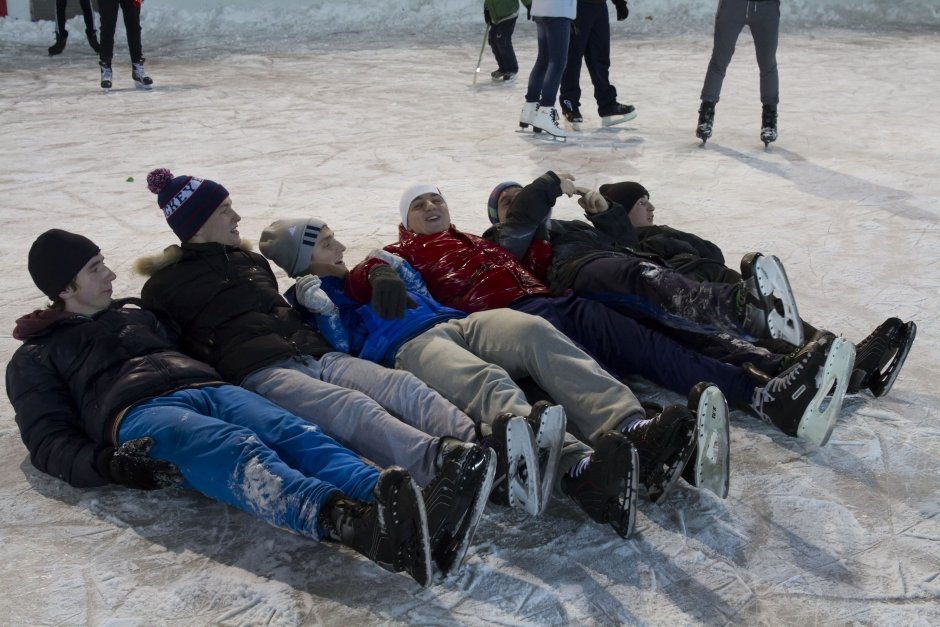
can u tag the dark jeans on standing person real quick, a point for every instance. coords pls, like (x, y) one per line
(545, 77)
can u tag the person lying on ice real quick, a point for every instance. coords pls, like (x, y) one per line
(103, 396)
(470, 274)
(223, 301)
(472, 361)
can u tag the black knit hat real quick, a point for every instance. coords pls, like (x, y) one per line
(626, 193)
(56, 257)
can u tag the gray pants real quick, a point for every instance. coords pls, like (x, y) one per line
(472, 362)
(388, 416)
(763, 18)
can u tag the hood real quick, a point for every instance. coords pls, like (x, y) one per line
(150, 265)
(38, 322)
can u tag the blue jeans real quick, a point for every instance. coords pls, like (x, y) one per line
(545, 77)
(238, 448)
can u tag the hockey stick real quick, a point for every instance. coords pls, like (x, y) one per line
(486, 34)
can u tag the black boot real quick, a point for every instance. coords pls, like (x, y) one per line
(92, 39)
(606, 486)
(105, 75)
(391, 530)
(59, 44)
(455, 500)
(768, 125)
(706, 118)
(664, 444)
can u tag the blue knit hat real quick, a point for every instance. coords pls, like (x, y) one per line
(493, 205)
(187, 202)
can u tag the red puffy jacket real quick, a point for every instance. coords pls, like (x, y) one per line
(462, 271)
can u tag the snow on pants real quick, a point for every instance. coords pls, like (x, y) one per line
(388, 416)
(545, 77)
(627, 347)
(238, 448)
(500, 40)
(592, 43)
(763, 18)
(109, 10)
(472, 362)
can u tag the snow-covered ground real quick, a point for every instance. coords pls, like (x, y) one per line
(337, 126)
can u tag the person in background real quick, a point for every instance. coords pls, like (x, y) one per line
(500, 16)
(131, 12)
(553, 20)
(62, 35)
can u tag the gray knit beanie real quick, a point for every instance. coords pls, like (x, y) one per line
(289, 243)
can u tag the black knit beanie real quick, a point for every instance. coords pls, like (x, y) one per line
(626, 193)
(56, 257)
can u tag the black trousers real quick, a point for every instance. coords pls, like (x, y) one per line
(87, 13)
(109, 10)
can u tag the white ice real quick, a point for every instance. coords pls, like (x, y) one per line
(296, 120)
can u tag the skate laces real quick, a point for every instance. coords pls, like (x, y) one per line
(575, 471)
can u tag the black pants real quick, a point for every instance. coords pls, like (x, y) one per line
(87, 13)
(109, 11)
(592, 43)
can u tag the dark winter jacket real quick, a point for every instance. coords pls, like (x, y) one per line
(462, 271)
(225, 304)
(686, 253)
(75, 376)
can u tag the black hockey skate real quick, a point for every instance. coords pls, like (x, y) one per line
(392, 530)
(92, 37)
(880, 356)
(498, 76)
(710, 464)
(606, 486)
(455, 500)
(770, 308)
(795, 401)
(617, 114)
(768, 126)
(517, 482)
(59, 45)
(706, 118)
(572, 114)
(105, 75)
(548, 424)
(141, 80)
(664, 444)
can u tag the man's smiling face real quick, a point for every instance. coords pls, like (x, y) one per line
(428, 214)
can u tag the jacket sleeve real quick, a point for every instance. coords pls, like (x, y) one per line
(49, 424)
(615, 223)
(527, 214)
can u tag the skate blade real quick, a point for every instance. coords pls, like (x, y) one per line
(521, 449)
(549, 135)
(412, 493)
(549, 440)
(470, 522)
(772, 280)
(817, 422)
(664, 479)
(713, 461)
(575, 126)
(622, 517)
(143, 87)
(612, 120)
(884, 380)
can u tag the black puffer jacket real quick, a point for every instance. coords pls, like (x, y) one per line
(225, 304)
(687, 253)
(74, 376)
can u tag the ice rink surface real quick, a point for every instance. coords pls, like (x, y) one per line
(336, 127)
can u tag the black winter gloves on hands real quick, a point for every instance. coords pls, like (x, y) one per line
(622, 10)
(389, 297)
(129, 466)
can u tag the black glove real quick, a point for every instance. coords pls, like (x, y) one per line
(486, 16)
(389, 297)
(129, 466)
(622, 10)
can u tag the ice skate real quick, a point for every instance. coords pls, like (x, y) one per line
(771, 307)
(572, 114)
(455, 500)
(59, 45)
(605, 485)
(706, 118)
(617, 114)
(710, 464)
(499, 76)
(664, 444)
(105, 76)
(517, 482)
(527, 115)
(768, 130)
(880, 356)
(392, 530)
(795, 401)
(546, 119)
(548, 423)
(141, 80)
(92, 37)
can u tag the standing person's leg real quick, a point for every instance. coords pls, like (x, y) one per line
(501, 43)
(406, 396)
(132, 25)
(597, 57)
(537, 74)
(558, 34)
(729, 20)
(570, 94)
(108, 10)
(229, 462)
(351, 417)
(87, 14)
(60, 6)
(764, 22)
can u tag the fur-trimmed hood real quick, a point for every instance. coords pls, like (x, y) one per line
(151, 264)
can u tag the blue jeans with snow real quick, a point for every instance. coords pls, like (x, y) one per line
(545, 77)
(236, 447)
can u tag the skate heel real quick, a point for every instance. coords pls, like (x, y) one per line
(710, 467)
(782, 323)
(821, 414)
